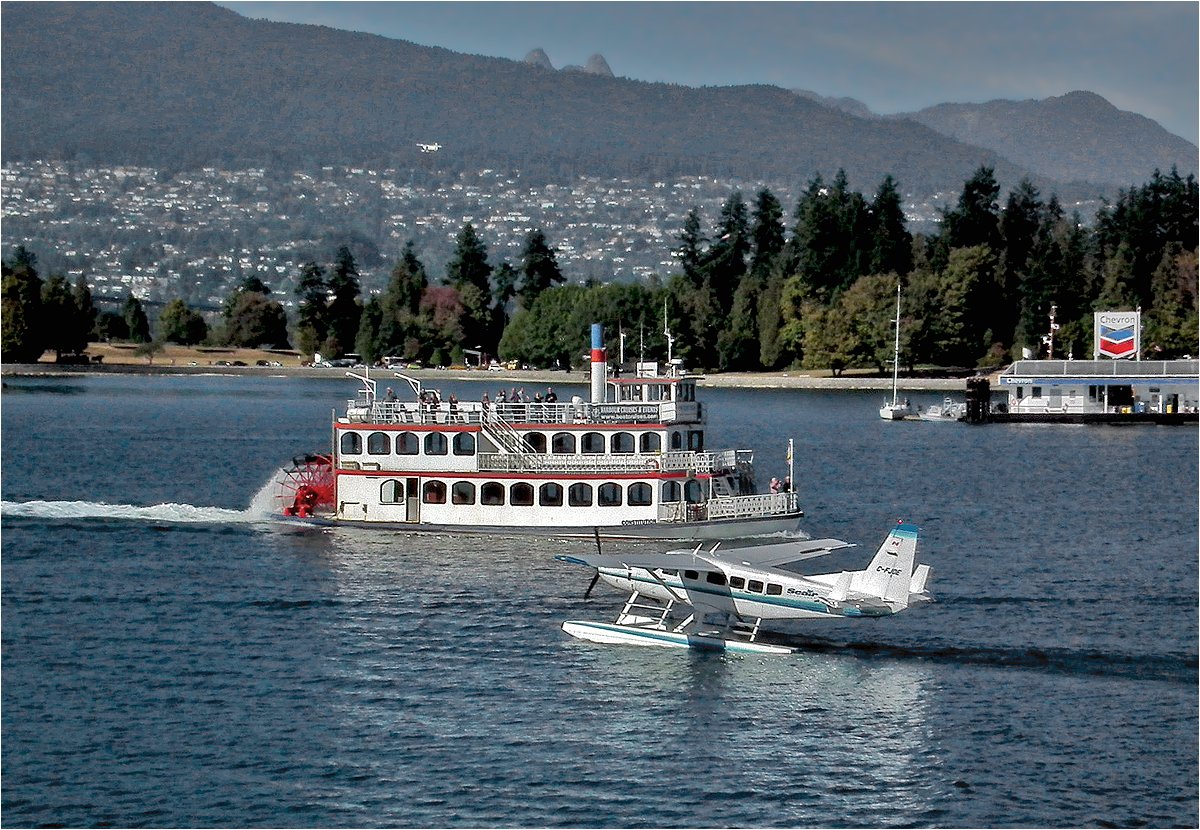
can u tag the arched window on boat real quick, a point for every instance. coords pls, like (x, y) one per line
(351, 443)
(676, 440)
(622, 442)
(379, 443)
(391, 492)
(580, 495)
(521, 494)
(651, 442)
(563, 443)
(550, 495)
(536, 441)
(491, 493)
(692, 493)
(464, 443)
(640, 494)
(696, 440)
(435, 443)
(671, 491)
(407, 444)
(434, 492)
(592, 443)
(462, 492)
(609, 495)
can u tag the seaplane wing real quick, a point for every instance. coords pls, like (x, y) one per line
(744, 587)
(784, 553)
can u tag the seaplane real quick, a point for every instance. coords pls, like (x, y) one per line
(708, 600)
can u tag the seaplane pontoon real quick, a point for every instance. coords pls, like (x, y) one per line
(631, 462)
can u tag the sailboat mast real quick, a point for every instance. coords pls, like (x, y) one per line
(896, 354)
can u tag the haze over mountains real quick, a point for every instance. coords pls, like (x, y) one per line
(181, 85)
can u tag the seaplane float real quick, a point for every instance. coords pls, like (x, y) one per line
(720, 601)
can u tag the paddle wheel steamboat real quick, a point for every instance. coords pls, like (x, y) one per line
(631, 462)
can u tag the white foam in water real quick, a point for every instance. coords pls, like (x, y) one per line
(176, 513)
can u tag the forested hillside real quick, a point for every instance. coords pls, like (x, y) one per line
(183, 85)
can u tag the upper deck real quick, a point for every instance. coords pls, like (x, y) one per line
(645, 400)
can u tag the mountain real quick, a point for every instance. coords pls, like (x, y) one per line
(853, 106)
(1074, 137)
(184, 85)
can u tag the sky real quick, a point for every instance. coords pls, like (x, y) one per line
(893, 56)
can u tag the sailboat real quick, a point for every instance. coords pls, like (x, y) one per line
(897, 410)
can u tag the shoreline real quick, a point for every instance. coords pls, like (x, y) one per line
(724, 380)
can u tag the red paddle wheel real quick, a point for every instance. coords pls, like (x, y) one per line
(307, 486)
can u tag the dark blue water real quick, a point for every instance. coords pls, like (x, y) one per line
(170, 661)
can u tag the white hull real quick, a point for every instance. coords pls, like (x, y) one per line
(612, 634)
(666, 531)
(895, 411)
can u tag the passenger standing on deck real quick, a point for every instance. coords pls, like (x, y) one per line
(551, 397)
(453, 407)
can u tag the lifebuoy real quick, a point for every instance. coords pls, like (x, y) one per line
(653, 464)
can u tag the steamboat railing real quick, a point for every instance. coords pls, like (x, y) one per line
(362, 410)
(731, 507)
(673, 461)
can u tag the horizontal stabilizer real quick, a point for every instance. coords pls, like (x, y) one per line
(919, 578)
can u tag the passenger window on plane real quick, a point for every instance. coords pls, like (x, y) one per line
(715, 578)
(773, 589)
(669, 572)
(755, 586)
(351, 443)
(737, 582)
(691, 575)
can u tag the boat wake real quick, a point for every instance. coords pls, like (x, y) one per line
(171, 513)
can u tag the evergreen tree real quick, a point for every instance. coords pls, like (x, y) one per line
(724, 264)
(1019, 228)
(766, 234)
(63, 330)
(256, 321)
(400, 305)
(85, 308)
(539, 268)
(345, 308)
(23, 337)
(891, 244)
(366, 341)
(469, 274)
(691, 248)
(136, 322)
(975, 221)
(312, 310)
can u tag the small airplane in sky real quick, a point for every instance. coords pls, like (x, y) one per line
(429, 148)
(742, 587)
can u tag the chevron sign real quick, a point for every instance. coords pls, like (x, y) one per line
(1118, 333)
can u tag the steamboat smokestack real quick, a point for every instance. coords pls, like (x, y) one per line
(599, 363)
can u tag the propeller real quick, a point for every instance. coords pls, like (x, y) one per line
(599, 552)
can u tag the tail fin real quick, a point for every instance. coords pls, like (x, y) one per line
(889, 575)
